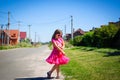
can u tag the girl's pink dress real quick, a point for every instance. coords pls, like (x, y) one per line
(57, 57)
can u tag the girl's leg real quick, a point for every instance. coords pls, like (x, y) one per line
(57, 70)
(50, 72)
(52, 69)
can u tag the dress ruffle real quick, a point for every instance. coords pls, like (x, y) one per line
(56, 58)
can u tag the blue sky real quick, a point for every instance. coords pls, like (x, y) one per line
(45, 16)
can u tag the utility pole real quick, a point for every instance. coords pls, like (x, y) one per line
(8, 39)
(38, 38)
(35, 37)
(72, 28)
(2, 34)
(29, 32)
(119, 22)
(18, 31)
(65, 32)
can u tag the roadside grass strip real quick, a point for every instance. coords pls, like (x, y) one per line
(88, 63)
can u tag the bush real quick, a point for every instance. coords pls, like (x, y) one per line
(77, 40)
(24, 44)
(104, 35)
(116, 40)
(7, 47)
(87, 39)
(68, 44)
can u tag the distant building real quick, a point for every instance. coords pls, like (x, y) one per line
(78, 32)
(13, 37)
(115, 23)
(68, 36)
(22, 36)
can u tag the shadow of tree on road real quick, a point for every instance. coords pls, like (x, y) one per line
(35, 78)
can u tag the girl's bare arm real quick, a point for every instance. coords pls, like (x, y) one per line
(55, 45)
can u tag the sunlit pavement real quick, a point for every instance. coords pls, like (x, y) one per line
(25, 64)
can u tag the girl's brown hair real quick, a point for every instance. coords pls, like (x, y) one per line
(57, 31)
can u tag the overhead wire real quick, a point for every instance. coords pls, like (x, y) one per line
(3, 12)
(14, 21)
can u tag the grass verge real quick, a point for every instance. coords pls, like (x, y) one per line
(88, 63)
(20, 45)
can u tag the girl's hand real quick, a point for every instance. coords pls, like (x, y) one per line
(61, 54)
(62, 47)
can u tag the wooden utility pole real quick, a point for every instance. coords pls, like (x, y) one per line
(35, 37)
(29, 32)
(8, 39)
(65, 32)
(18, 31)
(2, 34)
(72, 28)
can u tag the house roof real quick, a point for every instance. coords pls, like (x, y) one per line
(13, 33)
(22, 35)
(80, 31)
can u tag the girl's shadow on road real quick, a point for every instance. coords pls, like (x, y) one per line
(35, 78)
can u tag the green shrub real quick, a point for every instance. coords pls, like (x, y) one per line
(68, 44)
(103, 36)
(77, 40)
(87, 39)
(24, 44)
(7, 47)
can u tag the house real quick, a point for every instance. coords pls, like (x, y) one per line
(115, 23)
(22, 36)
(78, 32)
(12, 34)
(68, 36)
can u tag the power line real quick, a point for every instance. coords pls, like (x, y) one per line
(58, 20)
(12, 17)
(3, 12)
(3, 16)
(51, 22)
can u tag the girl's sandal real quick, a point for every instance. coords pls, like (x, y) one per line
(48, 75)
(57, 77)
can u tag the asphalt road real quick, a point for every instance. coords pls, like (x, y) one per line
(25, 64)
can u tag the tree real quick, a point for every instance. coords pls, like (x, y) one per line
(116, 40)
(88, 39)
(103, 36)
(77, 40)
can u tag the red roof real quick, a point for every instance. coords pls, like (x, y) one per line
(13, 33)
(79, 31)
(22, 35)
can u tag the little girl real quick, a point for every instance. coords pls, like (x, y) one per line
(57, 56)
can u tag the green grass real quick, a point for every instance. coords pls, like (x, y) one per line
(88, 63)
(20, 45)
